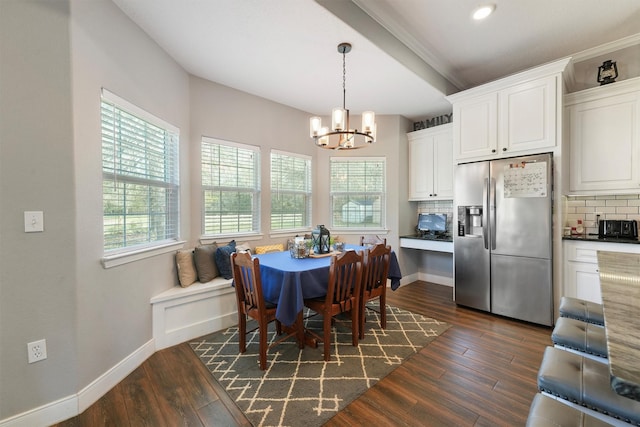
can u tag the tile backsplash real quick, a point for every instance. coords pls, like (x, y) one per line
(587, 208)
(437, 206)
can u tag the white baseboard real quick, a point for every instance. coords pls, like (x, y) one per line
(45, 415)
(178, 316)
(105, 382)
(434, 278)
(70, 406)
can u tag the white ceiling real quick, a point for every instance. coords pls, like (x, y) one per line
(404, 60)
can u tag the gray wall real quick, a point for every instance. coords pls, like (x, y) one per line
(108, 50)
(37, 270)
(55, 56)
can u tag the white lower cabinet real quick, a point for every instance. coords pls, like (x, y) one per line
(581, 276)
(583, 279)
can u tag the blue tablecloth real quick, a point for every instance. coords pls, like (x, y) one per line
(287, 281)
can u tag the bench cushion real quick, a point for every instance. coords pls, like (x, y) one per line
(585, 382)
(580, 336)
(186, 268)
(586, 311)
(546, 411)
(223, 260)
(205, 259)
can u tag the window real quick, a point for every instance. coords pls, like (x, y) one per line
(290, 191)
(230, 187)
(140, 189)
(358, 192)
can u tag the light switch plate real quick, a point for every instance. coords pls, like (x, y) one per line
(33, 221)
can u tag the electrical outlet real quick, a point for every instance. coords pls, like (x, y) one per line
(37, 351)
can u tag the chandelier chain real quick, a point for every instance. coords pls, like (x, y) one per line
(344, 79)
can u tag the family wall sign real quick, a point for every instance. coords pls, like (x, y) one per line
(435, 121)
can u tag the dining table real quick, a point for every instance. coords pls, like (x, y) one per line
(620, 289)
(288, 281)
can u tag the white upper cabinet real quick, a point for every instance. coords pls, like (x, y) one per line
(431, 163)
(603, 125)
(528, 116)
(512, 116)
(476, 127)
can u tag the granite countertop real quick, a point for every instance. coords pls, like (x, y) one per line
(594, 238)
(439, 238)
(620, 285)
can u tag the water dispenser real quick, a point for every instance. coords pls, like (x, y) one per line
(470, 221)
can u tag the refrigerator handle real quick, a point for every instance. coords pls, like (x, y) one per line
(485, 213)
(492, 208)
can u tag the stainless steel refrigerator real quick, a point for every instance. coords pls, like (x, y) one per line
(503, 241)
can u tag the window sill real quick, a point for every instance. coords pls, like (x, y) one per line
(204, 240)
(115, 260)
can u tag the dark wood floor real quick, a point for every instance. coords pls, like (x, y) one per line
(480, 372)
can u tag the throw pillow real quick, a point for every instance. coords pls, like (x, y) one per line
(223, 261)
(186, 268)
(205, 259)
(243, 248)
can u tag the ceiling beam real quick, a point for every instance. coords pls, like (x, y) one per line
(359, 20)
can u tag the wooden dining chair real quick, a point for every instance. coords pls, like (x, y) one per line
(376, 271)
(343, 295)
(372, 240)
(251, 303)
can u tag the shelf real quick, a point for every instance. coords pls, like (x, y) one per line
(427, 245)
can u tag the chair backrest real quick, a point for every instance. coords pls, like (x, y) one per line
(376, 266)
(345, 277)
(246, 277)
(371, 240)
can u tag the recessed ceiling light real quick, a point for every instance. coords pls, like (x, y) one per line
(483, 11)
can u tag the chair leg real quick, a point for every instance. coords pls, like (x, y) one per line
(300, 330)
(355, 323)
(263, 344)
(242, 332)
(383, 311)
(278, 327)
(326, 326)
(362, 319)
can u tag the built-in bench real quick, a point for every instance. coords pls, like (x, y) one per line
(181, 314)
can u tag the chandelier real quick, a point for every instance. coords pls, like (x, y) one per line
(341, 135)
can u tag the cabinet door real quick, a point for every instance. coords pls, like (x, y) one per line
(475, 127)
(443, 166)
(420, 170)
(528, 116)
(583, 281)
(604, 143)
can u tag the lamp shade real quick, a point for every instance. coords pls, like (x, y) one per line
(315, 124)
(368, 121)
(324, 138)
(338, 119)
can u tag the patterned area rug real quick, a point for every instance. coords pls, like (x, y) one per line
(298, 386)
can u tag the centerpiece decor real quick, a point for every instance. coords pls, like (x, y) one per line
(321, 238)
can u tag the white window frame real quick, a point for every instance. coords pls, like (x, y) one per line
(381, 193)
(253, 189)
(301, 186)
(170, 183)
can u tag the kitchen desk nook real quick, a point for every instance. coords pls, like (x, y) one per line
(434, 254)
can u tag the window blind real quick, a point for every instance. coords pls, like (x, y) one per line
(140, 177)
(290, 191)
(358, 192)
(230, 187)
